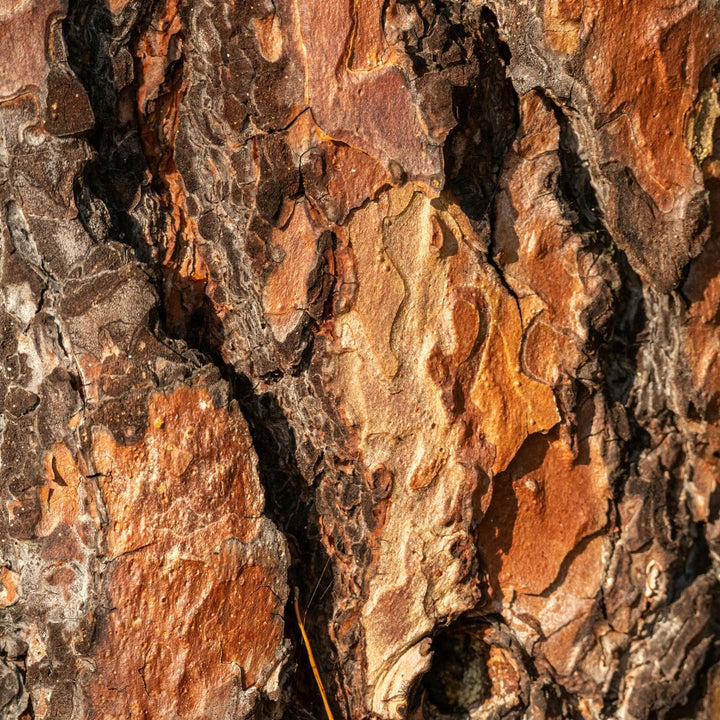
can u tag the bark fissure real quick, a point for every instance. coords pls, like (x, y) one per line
(289, 501)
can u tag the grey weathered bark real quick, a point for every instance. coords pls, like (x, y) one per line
(407, 306)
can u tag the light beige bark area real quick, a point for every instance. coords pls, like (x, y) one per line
(405, 311)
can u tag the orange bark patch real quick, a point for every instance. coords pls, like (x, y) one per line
(269, 37)
(562, 24)
(351, 176)
(542, 507)
(645, 70)
(285, 292)
(9, 587)
(542, 257)
(197, 586)
(372, 111)
(368, 40)
(60, 495)
(702, 342)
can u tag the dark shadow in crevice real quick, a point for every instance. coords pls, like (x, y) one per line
(701, 698)
(614, 337)
(110, 190)
(473, 656)
(486, 111)
(697, 561)
(290, 504)
(458, 679)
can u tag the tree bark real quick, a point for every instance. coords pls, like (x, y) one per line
(408, 309)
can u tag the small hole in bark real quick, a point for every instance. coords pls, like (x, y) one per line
(458, 677)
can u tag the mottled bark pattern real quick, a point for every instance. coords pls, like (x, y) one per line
(410, 307)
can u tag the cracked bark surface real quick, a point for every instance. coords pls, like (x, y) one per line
(409, 307)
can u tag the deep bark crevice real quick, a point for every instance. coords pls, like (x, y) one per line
(487, 116)
(120, 196)
(290, 504)
(110, 192)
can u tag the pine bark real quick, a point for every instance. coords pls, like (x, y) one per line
(406, 309)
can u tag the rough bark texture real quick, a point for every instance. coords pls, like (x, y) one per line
(408, 306)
